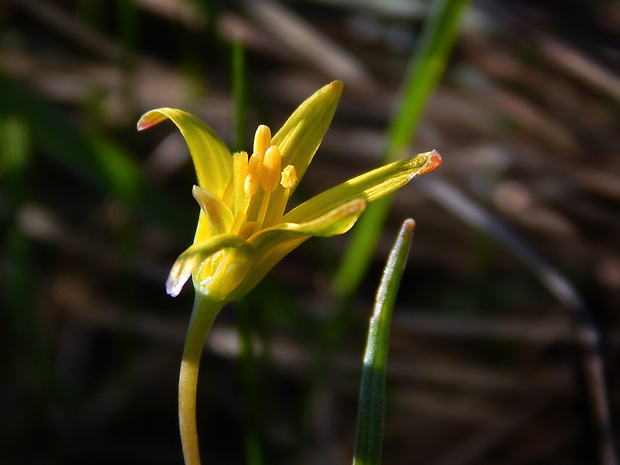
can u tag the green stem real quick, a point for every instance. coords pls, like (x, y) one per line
(204, 313)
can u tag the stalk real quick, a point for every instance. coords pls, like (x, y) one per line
(205, 311)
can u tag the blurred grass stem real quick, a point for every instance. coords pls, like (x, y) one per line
(428, 63)
(252, 442)
(426, 68)
(239, 95)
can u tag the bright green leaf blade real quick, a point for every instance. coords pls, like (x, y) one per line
(370, 186)
(212, 158)
(189, 260)
(369, 436)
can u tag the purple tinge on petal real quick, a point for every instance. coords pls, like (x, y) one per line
(175, 282)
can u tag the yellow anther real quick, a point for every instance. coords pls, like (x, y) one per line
(252, 179)
(289, 177)
(271, 169)
(262, 139)
(247, 230)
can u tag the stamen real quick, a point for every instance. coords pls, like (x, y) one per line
(240, 217)
(263, 209)
(240, 170)
(289, 177)
(252, 179)
(262, 139)
(271, 169)
(246, 186)
(247, 230)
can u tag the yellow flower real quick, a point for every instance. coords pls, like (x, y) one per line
(242, 229)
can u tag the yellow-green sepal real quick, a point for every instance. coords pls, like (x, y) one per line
(370, 186)
(273, 244)
(197, 253)
(212, 158)
(302, 134)
(220, 218)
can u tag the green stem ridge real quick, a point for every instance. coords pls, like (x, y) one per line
(369, 436)
(204, 313)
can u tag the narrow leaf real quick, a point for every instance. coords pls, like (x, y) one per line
(369, 437)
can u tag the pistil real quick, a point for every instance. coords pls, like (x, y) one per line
(240, 170)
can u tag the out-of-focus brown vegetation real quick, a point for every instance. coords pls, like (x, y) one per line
(483, 369)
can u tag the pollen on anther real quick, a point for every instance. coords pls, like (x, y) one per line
(289, 177)
(240, 170)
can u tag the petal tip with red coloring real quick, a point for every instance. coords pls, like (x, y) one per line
(433, 162)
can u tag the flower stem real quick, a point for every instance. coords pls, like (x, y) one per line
(202, 318)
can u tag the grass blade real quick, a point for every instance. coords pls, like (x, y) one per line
(369, 437)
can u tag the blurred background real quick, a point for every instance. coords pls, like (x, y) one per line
(515, 258)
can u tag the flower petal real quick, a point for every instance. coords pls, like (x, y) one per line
(301, 136)
(212, 158)
(274, 243)
(219, 215)
(370, 186)
(302, 133)
(196, 254)
(334, 222)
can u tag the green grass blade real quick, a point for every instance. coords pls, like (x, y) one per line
(369, 437)
(426, 69)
